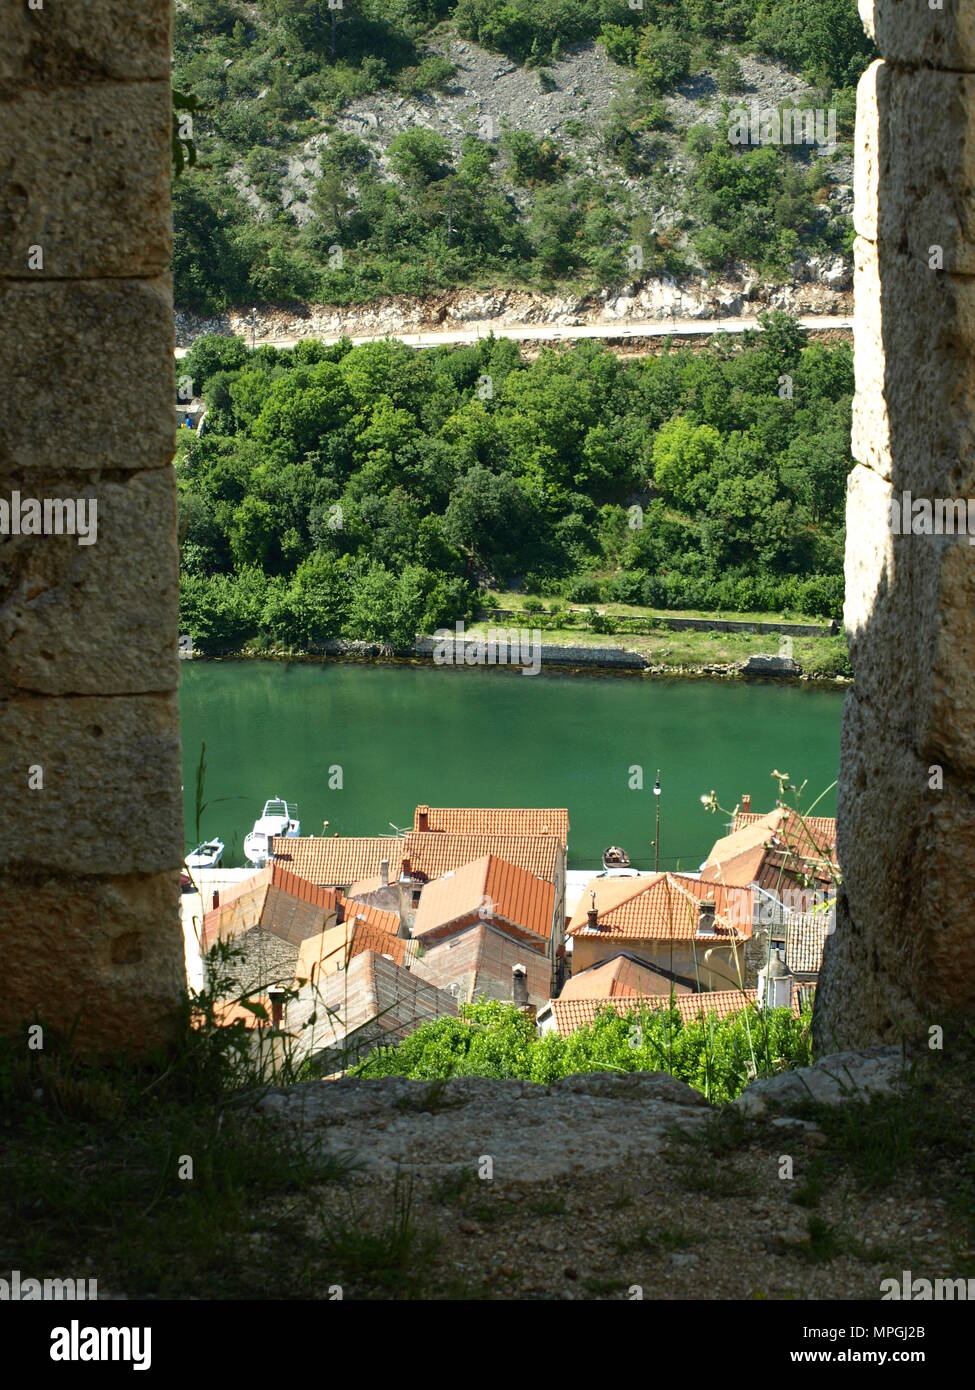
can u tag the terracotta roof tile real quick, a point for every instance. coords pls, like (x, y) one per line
(336, 860)
(570, 1014)
(478, 960)
(814, 835)
(489, 888)
(375, 994)
(434, 853)
(275, 901)
(620, 977)
(346, 860)
(335, 947)
(378, 917)
(661, 907)
(494, 820)
(776, 851)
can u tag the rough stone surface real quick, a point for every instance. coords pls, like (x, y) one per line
(580, 1125)
(67, 43)
(86, 175)
(902, 956)
(111, 796)
(55, 594)
(914, 171)
(831, 1080)
(910, 620)
(89, 915)
(102, 348)
(914, 408)
(98, 945)
(911, 32)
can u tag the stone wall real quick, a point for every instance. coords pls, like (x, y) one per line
(91, 833)
(903, 954)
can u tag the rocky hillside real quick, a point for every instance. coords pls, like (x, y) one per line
(461, 183)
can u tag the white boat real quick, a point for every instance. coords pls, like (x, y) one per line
(277, 818)
(206, 856)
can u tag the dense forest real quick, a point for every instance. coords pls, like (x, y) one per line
(272, 83)
(370, 492)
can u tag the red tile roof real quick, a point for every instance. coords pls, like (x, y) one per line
(494, 820)
(376, 996)
(337, 860)
(819, 831)
(620, 977)
(276, 901)
(661, 907)
(489, 888)
(344, 860)
(570, 1014)
(434, 853)
(377, 917)
(776, 851)
(358, 936)
(479, 961)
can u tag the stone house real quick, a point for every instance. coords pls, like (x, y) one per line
(679, 925)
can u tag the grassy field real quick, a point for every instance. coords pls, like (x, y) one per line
(510, 598)
(818, 656)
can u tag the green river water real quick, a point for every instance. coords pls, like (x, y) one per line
(404, 735)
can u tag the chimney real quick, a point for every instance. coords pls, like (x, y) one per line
(216, 897)
(384, 873)
(593, 915)
(423, 818)
(519, 986)
(746, 803)
(705, 917)
(276, 995)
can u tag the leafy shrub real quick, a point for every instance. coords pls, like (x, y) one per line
(716, 1057)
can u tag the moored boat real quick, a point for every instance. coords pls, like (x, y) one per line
(206, 855)
(277, 818)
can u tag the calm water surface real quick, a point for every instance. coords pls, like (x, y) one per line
(404, 735)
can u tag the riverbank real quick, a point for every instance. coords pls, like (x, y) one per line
(667, 655)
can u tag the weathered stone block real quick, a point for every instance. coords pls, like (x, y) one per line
(903, 954)
(105, 953)
(914, 165)
(87, 369)
(95, 618)
(910, 621)
(86, 179)
(915, 373)
(911, 32)
(110, 801)
(71, 43)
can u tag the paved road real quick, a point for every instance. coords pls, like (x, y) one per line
(551, 332)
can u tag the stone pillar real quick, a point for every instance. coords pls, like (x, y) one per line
(91, 833)
(903, 953)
